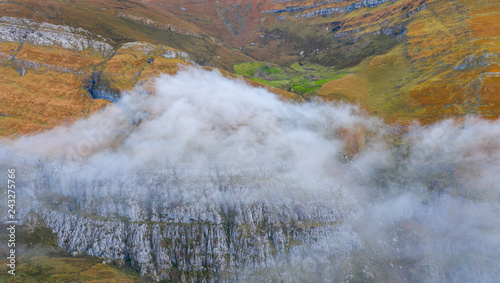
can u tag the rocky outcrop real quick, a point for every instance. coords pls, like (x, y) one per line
(184, 223)
(151, 49)
(168, 237)
(15, 29)
(300, 8)
(45, 34)
(79, 68)
(174, 54)
(472, 61)
(413, 12)
(25, 31)
(348, 33)
(331, 10)
(199, 249)
(156, 24)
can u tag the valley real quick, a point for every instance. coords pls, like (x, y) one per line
(252, 140)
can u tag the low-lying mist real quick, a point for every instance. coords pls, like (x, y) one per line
(424, 206)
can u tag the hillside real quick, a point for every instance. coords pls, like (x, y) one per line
(406, 60)
(56, 74)
(423, 60)
(208, 141)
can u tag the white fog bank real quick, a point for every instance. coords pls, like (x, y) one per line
(202, 140)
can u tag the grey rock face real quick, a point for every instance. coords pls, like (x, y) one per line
(329, 11)
(348, 33)
(413, 12)
(45, 34)
(148, 49)
(15, 29)
(165, 239)
(171, 225)
(173, 54)
(159, 249)
(472, 61)
(157, 25)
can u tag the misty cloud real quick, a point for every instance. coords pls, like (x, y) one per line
(200, 142)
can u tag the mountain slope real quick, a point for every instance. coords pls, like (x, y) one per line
(201, 204)
(437, 37)
(446, 52)
(56, 74)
